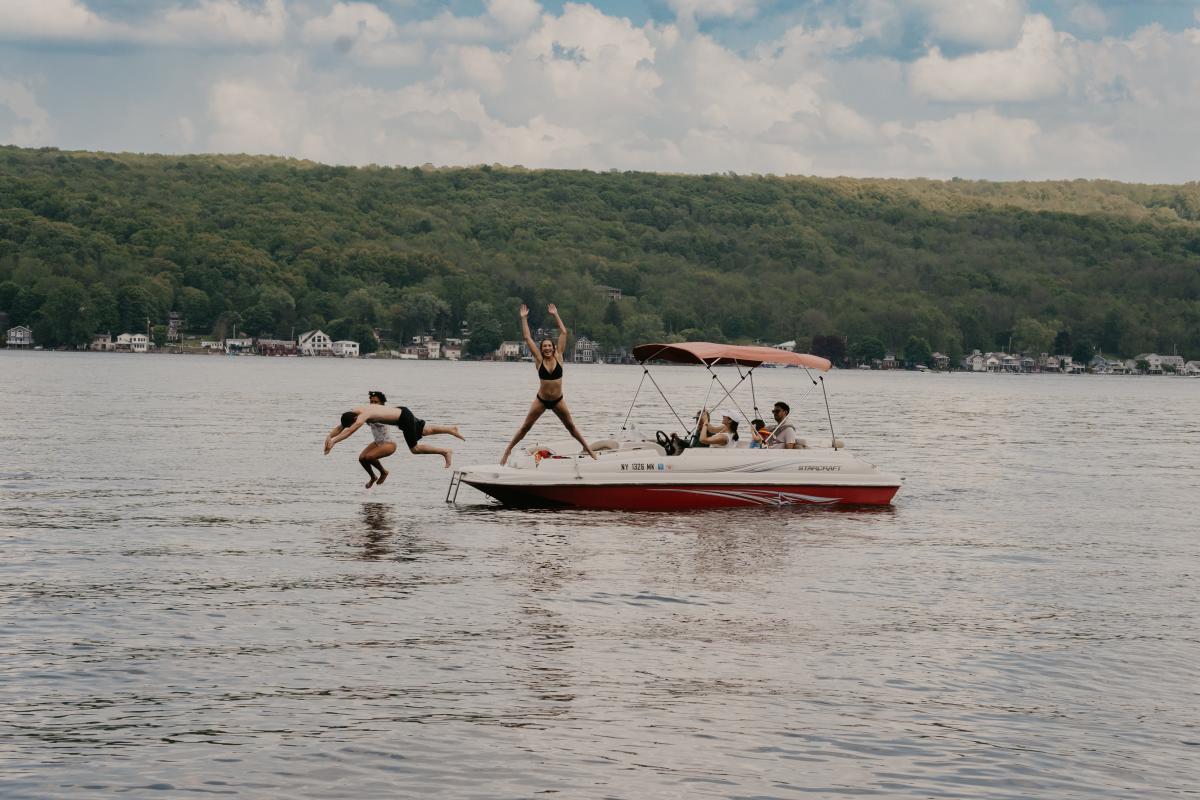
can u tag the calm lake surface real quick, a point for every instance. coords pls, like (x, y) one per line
(196, 601)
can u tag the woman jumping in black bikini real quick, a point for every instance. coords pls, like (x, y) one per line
(550, 393)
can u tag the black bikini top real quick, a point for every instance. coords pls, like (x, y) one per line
(550, 376)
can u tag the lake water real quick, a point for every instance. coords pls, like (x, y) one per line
(197, 602)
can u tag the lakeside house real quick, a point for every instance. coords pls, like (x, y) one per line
(1191, 368)
(509, 351)
(344, 348)
(585, 351)
(174, 326)
(276, 347)
(452, 349)
(133, 343)
(102, 343)
(19, 338)
(610, 293)
(238, 346)
(314, 343)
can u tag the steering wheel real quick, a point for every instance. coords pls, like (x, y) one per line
(663, 440)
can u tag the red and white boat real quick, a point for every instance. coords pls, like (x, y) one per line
(636, 472)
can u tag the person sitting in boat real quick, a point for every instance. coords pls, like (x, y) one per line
(723, 435)
(403, 418)
(783, 436)
(759, 433)
(549, 397)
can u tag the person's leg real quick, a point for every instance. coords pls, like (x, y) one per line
(564, 414)
(431, 430)
(366, 462)
(377, 451)
(535, 411)
(428, 449)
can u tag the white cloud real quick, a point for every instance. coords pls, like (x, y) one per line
(54, 20)
(972, 23)
(973, 141)
(208, 23)
(689, 10)
(1089, 18)
(31, 123)
(1038, 67)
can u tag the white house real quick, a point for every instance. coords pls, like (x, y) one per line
(238, 345)
(1191, 368)
(103, 342)
(345, 348)
(789, 345)
(973, 362)
(133, 342)
(314, 343)
(427, 346)
(585, 351)
(452, 352)
(20, 336)
(509, 351)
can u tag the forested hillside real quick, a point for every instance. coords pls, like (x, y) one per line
(99, 242)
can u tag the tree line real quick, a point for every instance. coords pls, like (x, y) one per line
(93, 242)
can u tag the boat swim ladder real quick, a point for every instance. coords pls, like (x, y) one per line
(455, 485)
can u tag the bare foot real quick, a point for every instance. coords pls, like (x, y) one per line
(449, 454)
(371, 482)
(454, 432)
(383, 473)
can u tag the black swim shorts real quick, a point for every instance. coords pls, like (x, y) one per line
(411, 427)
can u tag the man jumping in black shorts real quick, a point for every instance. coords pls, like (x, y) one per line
(412, 428)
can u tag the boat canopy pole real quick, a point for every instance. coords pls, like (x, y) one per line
(645, 372)
(753, 396)
(728, 392)
(832, 435)
(661, 394)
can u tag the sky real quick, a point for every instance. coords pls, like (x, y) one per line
(994, 89)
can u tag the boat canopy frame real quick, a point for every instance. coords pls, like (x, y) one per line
(710, 354)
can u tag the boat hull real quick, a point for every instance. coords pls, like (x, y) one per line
(678, 497)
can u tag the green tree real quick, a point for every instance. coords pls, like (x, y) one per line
(867, 349)
(158, 334)
(102, 303)
(1063, 343)
(1031, 336)
(135, 305)
(196, 308)
(65, 318)
(918, 351)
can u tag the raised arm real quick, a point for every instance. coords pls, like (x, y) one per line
(562, 329)
(710, 438)
(331, 440)
(532, 345)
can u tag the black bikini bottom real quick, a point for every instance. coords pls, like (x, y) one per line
(549, 403)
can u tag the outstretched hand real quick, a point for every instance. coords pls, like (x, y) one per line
(552, 309)
(328, 446)
(524, 310)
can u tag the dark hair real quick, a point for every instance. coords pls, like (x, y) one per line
(786, 408)
(757, 423)
(547, 339)
(376, 393)
(733, 429)
(348, 418)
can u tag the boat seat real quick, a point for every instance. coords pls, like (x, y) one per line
(605, 444)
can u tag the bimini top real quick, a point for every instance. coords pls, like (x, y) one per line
(713, 354)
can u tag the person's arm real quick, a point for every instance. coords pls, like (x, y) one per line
(329, 438)
(533, 348)
(562, 329)
(348, 432)
(713, 438)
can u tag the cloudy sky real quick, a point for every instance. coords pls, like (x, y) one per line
(973, 88)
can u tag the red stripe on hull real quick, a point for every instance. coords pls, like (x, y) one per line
(680, 498)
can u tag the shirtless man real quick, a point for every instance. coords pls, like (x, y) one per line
(378, 416)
